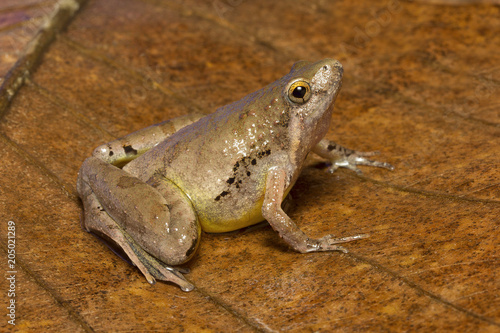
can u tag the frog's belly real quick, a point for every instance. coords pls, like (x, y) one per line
(228, 214)
(223, 205)
(222, 213)
(228, 217)
(222, 209)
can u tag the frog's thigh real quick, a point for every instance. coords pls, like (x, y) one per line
(127, 148)
(183, 224)
(143, 213)
(97, 220)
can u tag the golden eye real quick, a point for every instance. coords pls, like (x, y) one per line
(299, 92)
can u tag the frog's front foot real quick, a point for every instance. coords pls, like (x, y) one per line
(353, 158)
(342, 157)
(329, 243)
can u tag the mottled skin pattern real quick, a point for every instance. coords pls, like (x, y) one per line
(218, 173)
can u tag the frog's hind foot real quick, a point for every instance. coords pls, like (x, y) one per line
(154, 270)
(98, 221)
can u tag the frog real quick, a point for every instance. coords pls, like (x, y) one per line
(154, 191)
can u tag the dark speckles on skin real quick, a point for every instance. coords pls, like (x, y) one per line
(284, 119)
(223, 194)
(264, 153)
(342, 150)
(111, 152)
(241, 171)
(129, 150)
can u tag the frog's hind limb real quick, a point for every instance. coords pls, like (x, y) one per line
(120, 206)
(125, 149)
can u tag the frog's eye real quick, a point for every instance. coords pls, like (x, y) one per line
(299, 92)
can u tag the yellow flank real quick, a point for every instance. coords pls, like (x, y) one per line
(230, 217)
(218, 221)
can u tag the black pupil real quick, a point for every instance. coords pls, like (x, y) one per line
(299, 92)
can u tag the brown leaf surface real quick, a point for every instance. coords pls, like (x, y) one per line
(422, 85)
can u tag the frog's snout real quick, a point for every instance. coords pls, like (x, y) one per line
(337, 67)
(335, 64)
(340, 68)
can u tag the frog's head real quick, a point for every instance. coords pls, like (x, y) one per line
(310, 92)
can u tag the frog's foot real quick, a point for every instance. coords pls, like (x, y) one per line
(98, 221)
(153, 269)
(351, 159)
(328, 243)
(342, 157)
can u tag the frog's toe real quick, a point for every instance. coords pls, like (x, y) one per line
(354, 160)
(329, 243)
(345, 164)
(331, 240)
(171, 274)
(153, 269)
(366, 153)
(364, 161)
